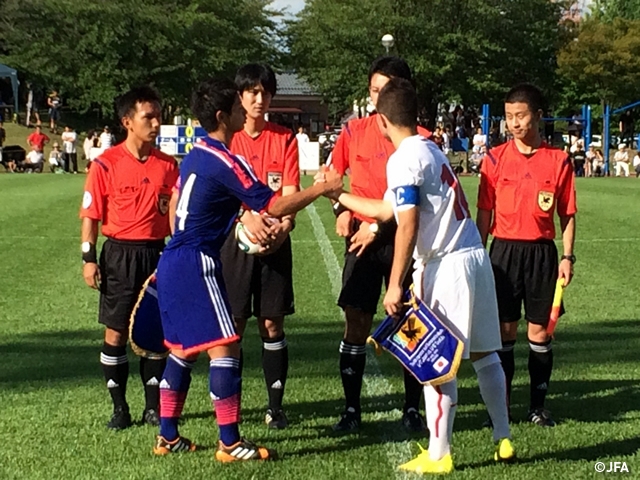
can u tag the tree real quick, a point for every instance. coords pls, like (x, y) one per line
(603, 63)
(465, 50)
(609, 10)
(92, 50)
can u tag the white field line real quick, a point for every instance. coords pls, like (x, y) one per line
(374, 383)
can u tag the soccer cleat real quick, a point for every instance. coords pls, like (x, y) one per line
(349, 421)
(243, 450)
(180, 444)
(120, 419)
(276, 419)
(413, 421)
(541, 417)
(423, 464)
(504, 451)
(150, 417)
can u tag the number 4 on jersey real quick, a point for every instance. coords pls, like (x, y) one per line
(460, 205)
(182, 210)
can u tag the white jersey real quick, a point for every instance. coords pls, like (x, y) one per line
(445, 221)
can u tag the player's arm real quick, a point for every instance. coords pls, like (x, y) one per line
(567, 212)
(340, 163)
(381, 210)
(483, 221)
(405, 242)
(91, 213)
(294, 203)
(486, 198)
(173, 206)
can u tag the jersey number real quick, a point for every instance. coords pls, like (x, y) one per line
(182, 211)
(460, 205)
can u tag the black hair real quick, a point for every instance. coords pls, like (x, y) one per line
(254, 74)
(213, 96)
(529, 94)
(399, 103)
(390, 67)
(126, 104)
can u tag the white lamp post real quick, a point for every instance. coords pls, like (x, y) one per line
(387, 41)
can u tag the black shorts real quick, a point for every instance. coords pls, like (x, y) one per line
(258, 285)
(525, 272)
(362, 276)
(124, 267)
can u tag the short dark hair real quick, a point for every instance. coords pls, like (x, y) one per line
(213, 96)
(529, 94)
(254, 74)
(390, 67)
(126, 103)
(399, 103)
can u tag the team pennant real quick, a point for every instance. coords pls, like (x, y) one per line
(145, 330)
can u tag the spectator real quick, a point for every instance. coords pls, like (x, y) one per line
(446, 140)
(479, 142)
(34, 161)
(627, 126)
(38, 139)
(622, 160)
(56, 160)
(32, 106)
(54, 102)
(589, 166)
(106, 139)
(437, 137)
(636, 163)
(579, 158)
(3, 137)
(598, 164)
(302, 136)
(95, 151)
(70, 154)
(88, 144)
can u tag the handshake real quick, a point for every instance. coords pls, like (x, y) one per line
(331, 180)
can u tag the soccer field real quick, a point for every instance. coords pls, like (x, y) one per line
(54, 405)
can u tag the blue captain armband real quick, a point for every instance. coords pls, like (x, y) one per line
(408, 195)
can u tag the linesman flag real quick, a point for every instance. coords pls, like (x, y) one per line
(145, 329)
(421, 342)
(556, 308)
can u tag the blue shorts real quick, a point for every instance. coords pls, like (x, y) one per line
(194, 308)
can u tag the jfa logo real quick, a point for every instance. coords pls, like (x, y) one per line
(614, 467)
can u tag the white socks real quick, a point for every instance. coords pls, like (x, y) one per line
(493, 389)
(441, 403)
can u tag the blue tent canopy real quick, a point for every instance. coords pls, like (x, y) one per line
(12, 73)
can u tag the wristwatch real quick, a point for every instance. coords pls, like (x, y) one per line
(571, 258)
(374, 228)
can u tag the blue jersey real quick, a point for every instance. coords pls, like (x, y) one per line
(214, 183)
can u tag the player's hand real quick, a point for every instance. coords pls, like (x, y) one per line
(565, 271)
(343, 224)
(393, 301)
(280, 231)
(362, 239)
(332, 184)
(259, 226)
(91, 274)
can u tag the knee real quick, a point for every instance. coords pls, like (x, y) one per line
(271, 327)
(117, 338)
(358, 326)
(537, 333)
(509, 331)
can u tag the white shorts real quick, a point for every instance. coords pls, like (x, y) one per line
(461, 289)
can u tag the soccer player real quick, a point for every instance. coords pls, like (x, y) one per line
(195, 310)
(128, 191)
(363, 150)
(263, 285)
(523, 182)
(453, 273)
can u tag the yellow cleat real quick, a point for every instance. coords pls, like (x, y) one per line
(505, 452)
(423, 464)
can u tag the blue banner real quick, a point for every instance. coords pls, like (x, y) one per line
(178, 140)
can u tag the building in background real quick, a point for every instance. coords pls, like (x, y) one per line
(297, 104)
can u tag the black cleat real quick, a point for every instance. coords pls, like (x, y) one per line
(276, 419)
(349, 421)
(151, 417)
(413, 421)
(120, 419)
(541, 417)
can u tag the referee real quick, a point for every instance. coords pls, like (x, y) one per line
(362, 150)
(523, 182)
(128, 191)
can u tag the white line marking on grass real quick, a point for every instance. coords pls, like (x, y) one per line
(374, 383)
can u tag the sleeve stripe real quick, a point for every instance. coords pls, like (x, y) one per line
(99, 162)
(492, 158)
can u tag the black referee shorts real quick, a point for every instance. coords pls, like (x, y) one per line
(525, 272)
(362, 276)
(258, 285)
(124, 267)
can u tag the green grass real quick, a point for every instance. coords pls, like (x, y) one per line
(54, 404)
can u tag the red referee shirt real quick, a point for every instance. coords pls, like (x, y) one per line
(524, 191)
(362, 150)
(273, 155)
(130, 197)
